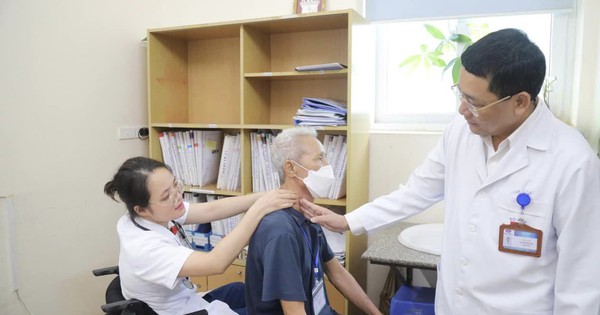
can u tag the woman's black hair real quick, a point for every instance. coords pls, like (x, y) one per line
(130, 182)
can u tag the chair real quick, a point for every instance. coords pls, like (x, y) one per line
(116, 304)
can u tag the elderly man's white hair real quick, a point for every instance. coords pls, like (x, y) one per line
(286, 147)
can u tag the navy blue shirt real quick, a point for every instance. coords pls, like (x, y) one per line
(279, 262)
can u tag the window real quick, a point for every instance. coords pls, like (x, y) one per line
(413, 90)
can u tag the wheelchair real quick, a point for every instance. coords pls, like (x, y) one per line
(116, 304)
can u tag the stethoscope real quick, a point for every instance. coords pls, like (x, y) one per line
(182, 236)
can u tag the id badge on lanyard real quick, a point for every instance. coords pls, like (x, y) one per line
(319, 300)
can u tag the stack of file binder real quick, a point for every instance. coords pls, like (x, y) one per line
(335, 153)
(264, 176)
(322, 67)
(321, 112)
(337, 243)
(206, 236)
(220, 228)
(193, 155)
(229, 169)
(198, 234)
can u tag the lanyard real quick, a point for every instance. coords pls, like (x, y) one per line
(180, 231)
(186, 281)
(317, 254)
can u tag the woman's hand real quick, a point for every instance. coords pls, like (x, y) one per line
(274, 200)
(323, 216)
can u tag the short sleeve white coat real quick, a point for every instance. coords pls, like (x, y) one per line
(149, 262)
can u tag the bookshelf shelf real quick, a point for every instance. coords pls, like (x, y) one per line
(281, 127)
(195, 126)
(331, 202)
(304, 75)
(239, 77)
(211, 190)
(230, 127)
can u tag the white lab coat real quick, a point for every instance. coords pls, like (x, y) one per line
(552, 163)
(149, 264)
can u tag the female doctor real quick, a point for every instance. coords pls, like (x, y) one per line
(154, 263)
(521, 189)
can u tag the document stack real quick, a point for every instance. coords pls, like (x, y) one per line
(335, 153)
(264, 176)
(243, 255)
(225, 226)
(229, 169)
(198, 234)
(321, 112)
(337, 243)
(193, 155)
(220, 228)
(322, 67)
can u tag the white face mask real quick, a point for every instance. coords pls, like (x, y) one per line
(319, 182)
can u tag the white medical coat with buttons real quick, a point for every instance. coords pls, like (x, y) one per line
(149, 264)
(555, 166)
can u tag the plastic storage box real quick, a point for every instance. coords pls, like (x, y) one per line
(410, 300)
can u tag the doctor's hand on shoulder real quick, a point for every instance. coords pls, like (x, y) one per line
(273, 200)
(323, 216)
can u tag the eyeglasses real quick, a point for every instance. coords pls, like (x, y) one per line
(173, 194)
(473, 108)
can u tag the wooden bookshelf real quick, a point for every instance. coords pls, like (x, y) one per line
(239, 77)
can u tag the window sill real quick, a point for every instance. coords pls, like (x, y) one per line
(404, 128)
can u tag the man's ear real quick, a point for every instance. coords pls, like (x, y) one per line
(289, 169)
(523, 100)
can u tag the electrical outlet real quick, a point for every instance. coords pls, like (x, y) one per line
(128, 132)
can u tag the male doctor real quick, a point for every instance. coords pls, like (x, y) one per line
(522, 193)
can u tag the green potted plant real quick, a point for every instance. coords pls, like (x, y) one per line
(444, 55)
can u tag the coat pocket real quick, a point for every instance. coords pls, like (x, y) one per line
(507, 210)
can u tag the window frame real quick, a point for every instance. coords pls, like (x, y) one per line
(561, 55)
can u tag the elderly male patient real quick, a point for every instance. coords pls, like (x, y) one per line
(288, 256)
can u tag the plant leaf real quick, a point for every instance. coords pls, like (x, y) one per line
(449, 46)
(456, 70)
(434, 31)
(436, 61)
(460, 38)
(414, 59)
(435, 53)
(413, 67)
(440, 47)
(449, 65)
(426, 64)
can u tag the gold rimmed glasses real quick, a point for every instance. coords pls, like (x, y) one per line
(475, 109)
(173, 194)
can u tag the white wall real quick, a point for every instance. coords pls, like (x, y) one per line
(73, 72)
(393, 157)
(586, 68)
